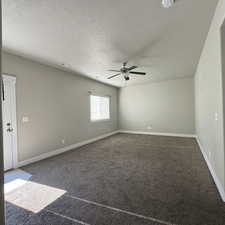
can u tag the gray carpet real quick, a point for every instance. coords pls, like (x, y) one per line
(126, 180)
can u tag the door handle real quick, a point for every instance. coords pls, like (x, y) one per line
(9, 129)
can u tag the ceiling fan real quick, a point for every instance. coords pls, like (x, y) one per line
(125, 71)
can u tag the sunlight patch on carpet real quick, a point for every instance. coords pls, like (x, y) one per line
(15, 179)
(33, 196)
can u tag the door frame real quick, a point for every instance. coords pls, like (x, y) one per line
(12, 80)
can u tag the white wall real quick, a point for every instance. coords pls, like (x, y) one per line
(57, 104)
(167, 106)
(209, 96)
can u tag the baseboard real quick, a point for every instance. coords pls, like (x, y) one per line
(64, 149)
(77, 145)
(212, 171)
(158, 133)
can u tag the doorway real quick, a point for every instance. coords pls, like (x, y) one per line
(9, 122)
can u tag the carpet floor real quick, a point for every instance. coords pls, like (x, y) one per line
(125, 179)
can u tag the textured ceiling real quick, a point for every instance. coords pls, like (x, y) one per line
(91, 36)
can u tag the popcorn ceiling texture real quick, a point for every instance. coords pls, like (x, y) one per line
(91, 37)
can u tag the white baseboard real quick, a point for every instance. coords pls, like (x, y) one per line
(212, 171)
(64, 149)
(77, 145)
(158, 133)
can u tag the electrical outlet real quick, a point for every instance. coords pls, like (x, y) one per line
(63, 141)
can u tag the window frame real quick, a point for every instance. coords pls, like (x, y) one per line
(99, 120)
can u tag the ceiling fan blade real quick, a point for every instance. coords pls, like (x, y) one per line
(131, 68)
(114, 70)
(138, 73)
(114, 76)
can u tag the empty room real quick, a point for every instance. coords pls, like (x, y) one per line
(112, 112)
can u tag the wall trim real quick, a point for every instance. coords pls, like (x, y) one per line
(64, 149)
(212, 171)
(158, 133)
(77, 145)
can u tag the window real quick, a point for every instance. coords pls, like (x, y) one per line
(99, 108)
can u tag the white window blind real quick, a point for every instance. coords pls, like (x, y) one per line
(100, 107)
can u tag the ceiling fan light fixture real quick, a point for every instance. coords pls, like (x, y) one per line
(167, 3)
(126, 75)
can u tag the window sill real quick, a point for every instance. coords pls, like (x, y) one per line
(100, 120)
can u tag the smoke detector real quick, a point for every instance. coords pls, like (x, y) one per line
(167, 3)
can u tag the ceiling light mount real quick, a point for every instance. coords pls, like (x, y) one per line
(167, 3)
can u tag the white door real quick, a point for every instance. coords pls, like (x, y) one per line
(9, 122)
